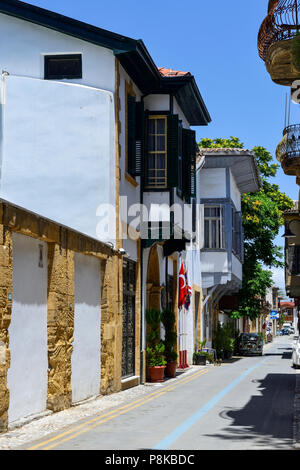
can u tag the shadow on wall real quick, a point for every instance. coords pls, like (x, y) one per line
(267, 417)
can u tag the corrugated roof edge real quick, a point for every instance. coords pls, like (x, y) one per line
(231, 151)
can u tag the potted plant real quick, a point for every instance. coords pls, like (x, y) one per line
(230, 340)
(200, 356)
(156, 363)
(219, 341)
(229, 347)
(168, 320)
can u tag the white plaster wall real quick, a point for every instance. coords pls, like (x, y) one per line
(177, 110)
(170, 267)
(157, 103)
(162, 264)
(27, 376)
(213, 183)
(237, 267)
(130, 246)
(157, 204)
(235, 193)
(58, 152)
(194, 266)
(214, 262)
(23, 54)
(146, 253)
(86, 362)
(182, 214)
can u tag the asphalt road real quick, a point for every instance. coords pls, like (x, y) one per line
(247, 404)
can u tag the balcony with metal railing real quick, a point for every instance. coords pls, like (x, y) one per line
(275, 38)
(288, 150)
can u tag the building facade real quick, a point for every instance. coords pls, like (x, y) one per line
(224, 177)
(96, 147)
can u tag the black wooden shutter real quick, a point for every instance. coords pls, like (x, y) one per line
(172, 151)
(189, 163)
(139, 138)
(294, 259)
(131, 124)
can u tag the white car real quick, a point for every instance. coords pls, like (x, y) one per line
(296, 353)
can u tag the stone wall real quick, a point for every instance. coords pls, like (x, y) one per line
(6, 283)
(62, 243)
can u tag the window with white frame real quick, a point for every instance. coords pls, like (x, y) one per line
(214, 236)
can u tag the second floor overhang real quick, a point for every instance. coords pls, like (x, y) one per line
(242, 163)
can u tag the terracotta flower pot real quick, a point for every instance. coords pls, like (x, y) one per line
(171, 369)
(156, 373)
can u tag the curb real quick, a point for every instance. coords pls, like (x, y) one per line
(296, 421)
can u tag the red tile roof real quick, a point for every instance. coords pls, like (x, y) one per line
(287, 304)
(172, 73)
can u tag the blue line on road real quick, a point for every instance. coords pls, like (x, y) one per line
(180, 430)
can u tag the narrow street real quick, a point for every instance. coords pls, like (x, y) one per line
(247, 404)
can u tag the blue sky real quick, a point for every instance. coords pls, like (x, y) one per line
(216, 42)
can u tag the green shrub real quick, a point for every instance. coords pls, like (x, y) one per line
(155, 356)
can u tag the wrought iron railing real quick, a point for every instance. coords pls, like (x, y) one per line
(281, 24)
(289, 147)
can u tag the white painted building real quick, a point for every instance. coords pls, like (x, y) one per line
(224, 177)
(89, 124)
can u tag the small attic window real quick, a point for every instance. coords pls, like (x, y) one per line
(63, 66)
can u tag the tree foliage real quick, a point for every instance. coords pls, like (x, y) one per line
(262, 214)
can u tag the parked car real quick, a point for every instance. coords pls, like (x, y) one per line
(250, 343)
(285, 331)
(292, 330)
(296, 353)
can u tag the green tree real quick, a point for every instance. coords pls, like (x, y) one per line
(262, 214)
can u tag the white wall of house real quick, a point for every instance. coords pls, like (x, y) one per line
(177, 110)
(214, 262)
(131, 247)
(24, 53)
(237, 267)
(157, 103)
(86, 363)
(213, 183)
(27, 376)
(58, 152)
(235, 193)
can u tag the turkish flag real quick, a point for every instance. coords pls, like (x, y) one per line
(182, 287)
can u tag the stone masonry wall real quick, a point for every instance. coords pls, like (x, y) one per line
(62, 243)
(6, 286)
